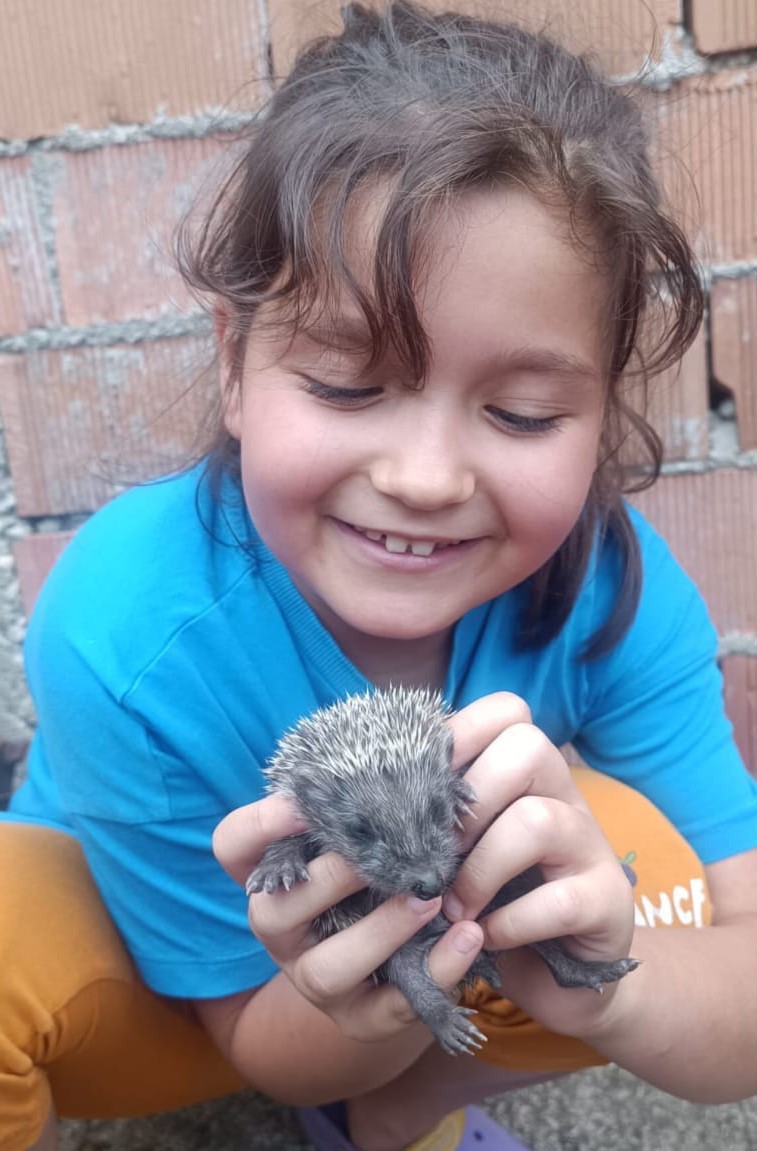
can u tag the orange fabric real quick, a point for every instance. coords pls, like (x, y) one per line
(78, 1026)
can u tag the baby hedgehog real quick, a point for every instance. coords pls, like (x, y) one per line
(373, 777)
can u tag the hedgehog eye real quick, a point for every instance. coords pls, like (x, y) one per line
(360, 828)
(438, 811)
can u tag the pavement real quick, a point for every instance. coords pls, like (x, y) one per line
(604, 1109)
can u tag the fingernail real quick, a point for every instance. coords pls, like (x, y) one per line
(453, 908)
(420, 906)
(465, 942)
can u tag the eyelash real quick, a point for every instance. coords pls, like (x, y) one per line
(354, 397)
(528, 425)
(346, 397)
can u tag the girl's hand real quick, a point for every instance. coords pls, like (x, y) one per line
(334, 975)
(529, 811)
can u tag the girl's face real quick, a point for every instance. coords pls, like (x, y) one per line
(397, 511)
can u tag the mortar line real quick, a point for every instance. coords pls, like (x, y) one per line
(133, 331)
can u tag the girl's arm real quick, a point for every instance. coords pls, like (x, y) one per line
(688, 1021)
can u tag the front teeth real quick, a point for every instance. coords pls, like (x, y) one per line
(422, 548)
(399, 546)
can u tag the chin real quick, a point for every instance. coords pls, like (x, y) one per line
(395, 628)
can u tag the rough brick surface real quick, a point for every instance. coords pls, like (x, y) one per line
(99, 62)
(623, 34)
(115, 212)
(740, 676)
(734, 350)
(27, 298)
(35, 556)
(707, 146)
(80, 422)
(710, 522)
(724, 25)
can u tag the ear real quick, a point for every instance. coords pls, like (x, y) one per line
(231, 388)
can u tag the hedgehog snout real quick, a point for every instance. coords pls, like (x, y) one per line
(429, 884)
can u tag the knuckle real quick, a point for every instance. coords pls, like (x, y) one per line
(513, 707)
(537, 817)
(259, 916)
(531, 739)
(568, 907)
(313, 981)
(402, 1013)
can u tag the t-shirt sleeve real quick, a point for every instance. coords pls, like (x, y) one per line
(654, 715)
(145, 829)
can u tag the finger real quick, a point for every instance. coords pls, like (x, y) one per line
(331, 969)
(475, 726)
(567, 908)
(532, 830)
(450, 959)
(242, 836)
(291, 913)
(373, 1014)
(376, 1013)
(520, 761)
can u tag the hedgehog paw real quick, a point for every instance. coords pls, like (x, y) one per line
(282, 865)
(571, 971)
(457, 1034)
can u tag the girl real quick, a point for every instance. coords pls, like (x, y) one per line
(440, 254)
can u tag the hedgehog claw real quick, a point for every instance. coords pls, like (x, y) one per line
(283, 864)
(458, 1036)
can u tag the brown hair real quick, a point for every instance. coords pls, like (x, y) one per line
(436, 105)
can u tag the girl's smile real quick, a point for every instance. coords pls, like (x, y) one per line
(406, 553)
(398, 509)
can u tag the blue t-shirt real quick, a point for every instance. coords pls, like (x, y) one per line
(169, 650)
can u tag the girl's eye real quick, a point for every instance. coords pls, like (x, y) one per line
(528, 425)
(342, 397)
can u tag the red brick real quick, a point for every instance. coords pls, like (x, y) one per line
(740, 675)
(115, 212)
(734, 350)
(35, 556)
(26, 297)
(725, 26)
(707, 146)
(99, 62)
(81, 422)
(622, 33)
(710, 521)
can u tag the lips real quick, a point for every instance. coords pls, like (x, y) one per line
(401, 545)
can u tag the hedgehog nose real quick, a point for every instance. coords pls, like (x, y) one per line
(428, 886)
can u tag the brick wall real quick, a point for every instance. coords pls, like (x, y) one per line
(114, 115)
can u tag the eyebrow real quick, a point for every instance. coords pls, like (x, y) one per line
(349, 331)
(545, 361)
(352, 334)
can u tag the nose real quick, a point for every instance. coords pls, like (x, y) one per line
(428, 885)
(425, 465)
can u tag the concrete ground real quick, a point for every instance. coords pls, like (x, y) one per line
(600, 1110)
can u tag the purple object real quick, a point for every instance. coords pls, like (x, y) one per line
(468, 1130)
